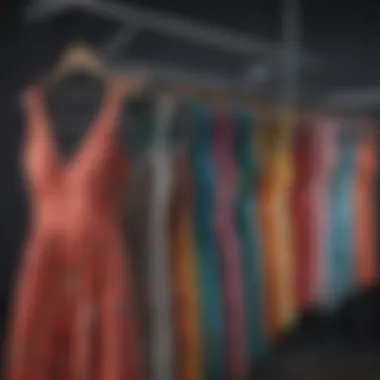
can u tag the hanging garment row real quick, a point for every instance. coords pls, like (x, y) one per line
(265, 222)
(248, 227)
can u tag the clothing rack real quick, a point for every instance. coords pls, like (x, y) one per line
(266, 54)
(288, 55)
(140, 19)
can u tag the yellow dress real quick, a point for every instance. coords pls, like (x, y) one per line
(281, 186)
(274, 144)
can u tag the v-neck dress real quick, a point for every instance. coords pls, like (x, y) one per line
(73, 315)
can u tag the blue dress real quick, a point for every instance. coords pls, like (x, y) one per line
(247, 222)
(208, 260)
(342, 233)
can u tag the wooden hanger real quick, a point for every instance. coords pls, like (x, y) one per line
(77, 57)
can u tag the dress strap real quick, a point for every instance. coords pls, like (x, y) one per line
(37, 122)
(33, 104)
(111, 109)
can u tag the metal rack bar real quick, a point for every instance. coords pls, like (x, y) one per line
(355, 97)
(162, 77)
(159, 22)
(291, 41)
(121, 39)
(194, 32)
(172, 74)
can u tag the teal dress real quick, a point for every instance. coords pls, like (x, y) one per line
(208, 260)
(342, 232)
(247, 222)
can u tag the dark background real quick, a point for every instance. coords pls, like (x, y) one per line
(343, 34)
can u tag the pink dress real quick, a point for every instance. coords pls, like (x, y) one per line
(231, 259)
(325, 148)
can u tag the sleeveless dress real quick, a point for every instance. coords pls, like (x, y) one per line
(280, 198)
(158, 259)
(325, 134)
(228, 247)
(366, 271)
(247, 224)
(266, 225)
(185, 275)
(342, 232)
(207, 256)
(275, 220)
(377, 203)
(303, 241)
(74, 314)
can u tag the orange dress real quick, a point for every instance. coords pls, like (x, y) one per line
(265, 148)
(185, 290)
(282, 228)
(73, 315)
(275, 154)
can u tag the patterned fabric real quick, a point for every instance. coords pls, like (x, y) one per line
(74, 314)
